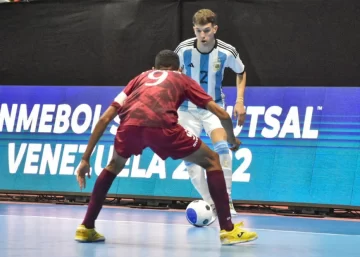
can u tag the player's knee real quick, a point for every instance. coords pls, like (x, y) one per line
(213, 161)
(111, 166)
(218, 136)
(216, 158)
(115, 167)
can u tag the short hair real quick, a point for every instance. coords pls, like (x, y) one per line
(204, 16)
(167, 59)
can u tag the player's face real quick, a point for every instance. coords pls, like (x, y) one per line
(205, 33)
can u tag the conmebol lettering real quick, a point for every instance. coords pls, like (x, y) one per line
(58, 119)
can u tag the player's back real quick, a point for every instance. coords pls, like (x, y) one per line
(153, 99)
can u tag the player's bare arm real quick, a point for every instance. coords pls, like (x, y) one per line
(100, 127)
(226, 122)
(103, 122)
(239, 109)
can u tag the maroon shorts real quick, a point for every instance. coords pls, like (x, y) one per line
(175, 142)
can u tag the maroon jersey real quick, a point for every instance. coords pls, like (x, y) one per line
(154, 96)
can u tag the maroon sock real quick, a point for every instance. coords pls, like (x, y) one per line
(217, 189)
(102, 186)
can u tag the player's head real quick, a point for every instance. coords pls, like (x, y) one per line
(205, 26)
(167, 60)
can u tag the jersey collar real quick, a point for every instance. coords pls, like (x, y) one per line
(215, 46)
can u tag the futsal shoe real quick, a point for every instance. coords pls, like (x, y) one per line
(237, 235)
(88, 235)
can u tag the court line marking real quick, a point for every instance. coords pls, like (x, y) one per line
(174, 224)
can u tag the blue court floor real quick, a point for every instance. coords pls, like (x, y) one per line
(47, 230)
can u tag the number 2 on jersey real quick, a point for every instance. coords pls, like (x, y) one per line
(158, 79)
(203, 77)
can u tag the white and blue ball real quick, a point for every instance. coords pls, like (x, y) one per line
(199, 213)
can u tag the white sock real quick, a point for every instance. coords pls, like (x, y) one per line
(226, 165)
(197, 176)
(222, 149)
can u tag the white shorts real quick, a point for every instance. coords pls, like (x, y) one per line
(197, 120)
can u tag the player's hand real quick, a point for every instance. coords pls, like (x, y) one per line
(235, 145)
(84, 168)
(239, 113)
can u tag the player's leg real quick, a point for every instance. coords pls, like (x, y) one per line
(190, 121)
(127, 143)
(178, 143)
(101, 188)
(209, 160)
(86, 231)
(217, 133)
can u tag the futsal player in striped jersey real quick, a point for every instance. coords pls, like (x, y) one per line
(204, 59)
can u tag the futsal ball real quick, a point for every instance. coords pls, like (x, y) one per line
(199, 213)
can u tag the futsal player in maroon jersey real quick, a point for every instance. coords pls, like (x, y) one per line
(147, 108)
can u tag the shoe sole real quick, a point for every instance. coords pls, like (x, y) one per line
(89, 241)
(240, 242)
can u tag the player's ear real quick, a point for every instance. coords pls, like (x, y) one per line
(153, 68)
(181, 69)
(215, 28)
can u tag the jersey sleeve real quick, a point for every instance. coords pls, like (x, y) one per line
(235, 63)
(130, 86)
(121, 97)
(196, 94)
(179, 52)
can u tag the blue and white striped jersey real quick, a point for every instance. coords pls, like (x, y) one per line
(208, 68)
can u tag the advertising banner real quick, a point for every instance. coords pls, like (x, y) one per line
(300, 145)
